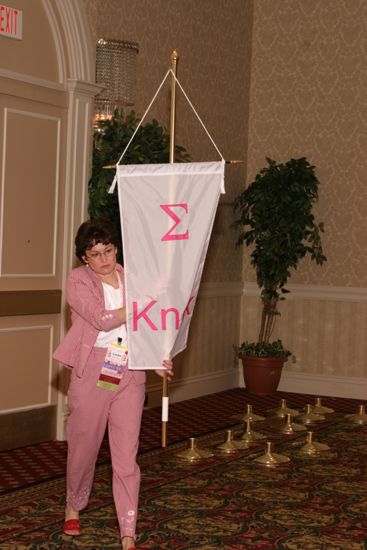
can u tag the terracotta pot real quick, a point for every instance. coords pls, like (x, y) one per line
(262, 374)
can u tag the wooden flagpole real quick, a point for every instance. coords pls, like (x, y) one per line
(174, 60)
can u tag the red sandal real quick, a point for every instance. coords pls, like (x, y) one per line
(72, 527)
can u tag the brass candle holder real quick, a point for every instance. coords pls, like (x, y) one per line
(229, 447)
(193, 453)
(249, 415)
(283, 410)
(290, 427)
(319, 408)
(309, 417)
(271, 459)
(312, 447)
(359, 418)
(248, 436)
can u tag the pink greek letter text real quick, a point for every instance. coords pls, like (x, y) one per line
(164, 317)
(168, 209)
(143, 315)
(187, 308)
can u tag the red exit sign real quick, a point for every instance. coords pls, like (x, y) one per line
(11, 22)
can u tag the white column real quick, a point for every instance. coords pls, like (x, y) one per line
(77, 166)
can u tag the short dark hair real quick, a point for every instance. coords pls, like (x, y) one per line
(93, 232)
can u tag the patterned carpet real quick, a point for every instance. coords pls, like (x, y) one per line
(222, 502)
(33, 464)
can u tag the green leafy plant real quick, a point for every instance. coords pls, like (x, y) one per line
(263, 349)
(276, 220)
(150, 146)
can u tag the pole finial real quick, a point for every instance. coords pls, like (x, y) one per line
(174, 55)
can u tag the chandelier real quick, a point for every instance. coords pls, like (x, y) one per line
(116, 72)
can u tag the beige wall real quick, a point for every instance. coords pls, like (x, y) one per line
(33, 112)
(29, 378)
(213, 39)
(33, 109)
(45, 124)
(308, 83)
(269, 78)
(45, 118)
(35, 54)
(32, 193)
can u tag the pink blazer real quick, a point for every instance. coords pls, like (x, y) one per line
(84, 294)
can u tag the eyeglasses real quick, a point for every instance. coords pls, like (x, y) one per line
(108, 252)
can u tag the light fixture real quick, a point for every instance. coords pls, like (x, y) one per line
(116, 72)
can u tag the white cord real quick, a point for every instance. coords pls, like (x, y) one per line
(113, 184)
(196, 113)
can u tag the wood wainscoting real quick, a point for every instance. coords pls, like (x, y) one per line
(28, 326)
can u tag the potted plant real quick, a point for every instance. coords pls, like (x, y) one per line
(149, 146)
(276, 220)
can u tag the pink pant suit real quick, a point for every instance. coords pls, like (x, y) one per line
(93, 408)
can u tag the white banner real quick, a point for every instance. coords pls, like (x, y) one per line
(167, 213)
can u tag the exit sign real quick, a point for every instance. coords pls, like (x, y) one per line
(11, 22)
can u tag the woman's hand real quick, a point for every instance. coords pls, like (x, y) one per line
(167, 368)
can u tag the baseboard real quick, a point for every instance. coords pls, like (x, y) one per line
(194, 386)
(22, 428)
(317, 384)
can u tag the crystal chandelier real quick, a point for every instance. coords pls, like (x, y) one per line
(116, 72)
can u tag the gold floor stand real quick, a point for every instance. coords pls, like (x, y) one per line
(293, 424)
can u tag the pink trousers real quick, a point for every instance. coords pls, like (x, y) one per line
(91, 410)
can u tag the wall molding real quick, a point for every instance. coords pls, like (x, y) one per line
(76, 51)
(73, 42)
(315, 292)
(32, 80)
(41, 116)
(318, 384)
(333, 386)
(33, 328)
(211, 290)
(194, 386)
(89, 89)
(29, 302)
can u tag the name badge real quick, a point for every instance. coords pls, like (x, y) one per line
(114, 366)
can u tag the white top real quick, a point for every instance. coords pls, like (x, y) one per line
(112, 300)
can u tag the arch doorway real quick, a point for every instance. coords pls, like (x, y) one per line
(47, 89)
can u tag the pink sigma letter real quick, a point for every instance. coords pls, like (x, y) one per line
(143, 315)
(168, 209)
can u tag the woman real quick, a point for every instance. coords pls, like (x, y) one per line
(101, 392)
